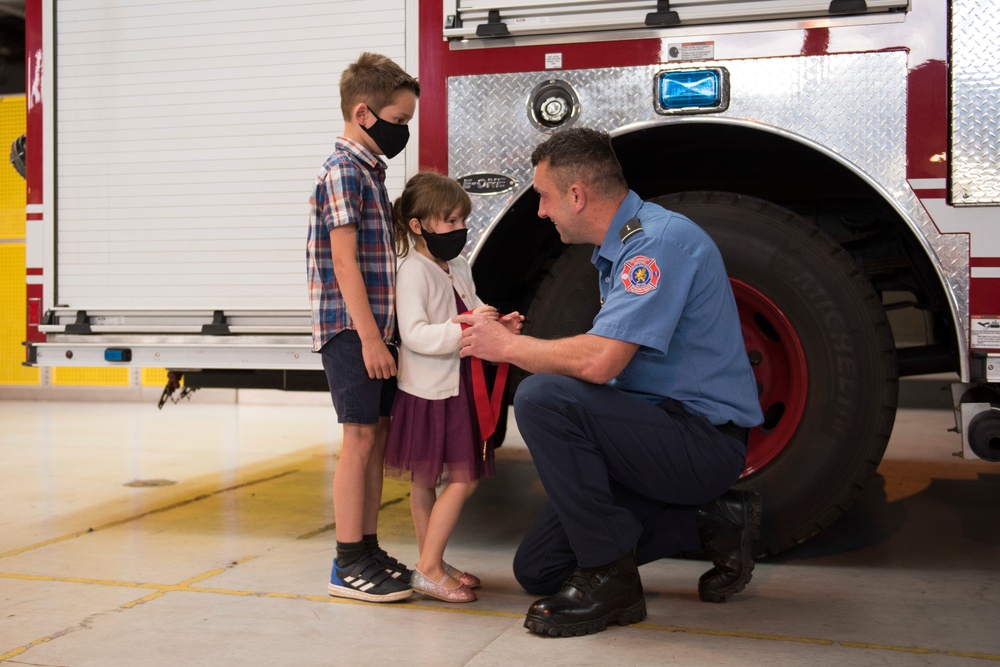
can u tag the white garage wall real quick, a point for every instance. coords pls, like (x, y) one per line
(189, 134)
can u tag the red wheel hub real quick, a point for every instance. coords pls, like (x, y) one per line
(779, 365)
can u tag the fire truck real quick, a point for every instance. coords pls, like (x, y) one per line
(842, 154)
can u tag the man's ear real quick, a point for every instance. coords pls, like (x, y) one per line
(579, 195)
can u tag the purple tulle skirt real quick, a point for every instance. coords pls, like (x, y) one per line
(436, 441)
(432, 442)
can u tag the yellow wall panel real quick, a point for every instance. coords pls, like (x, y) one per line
(13, 313)
(12, 188)
(90, 377)
(154, 377)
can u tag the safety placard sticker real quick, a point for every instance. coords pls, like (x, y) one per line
(691, 51)
(985, 332)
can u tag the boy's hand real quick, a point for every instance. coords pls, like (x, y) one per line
(489, 312)
(513, 321)
(378, 359)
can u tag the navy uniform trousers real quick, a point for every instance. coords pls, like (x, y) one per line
(621, 474)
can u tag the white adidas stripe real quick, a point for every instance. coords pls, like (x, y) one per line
(354, 582)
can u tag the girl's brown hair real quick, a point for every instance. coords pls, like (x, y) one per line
(427, 195)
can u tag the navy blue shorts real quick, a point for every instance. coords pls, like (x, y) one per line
(357, 398)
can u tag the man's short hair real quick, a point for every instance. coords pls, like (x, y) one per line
(375, 80)
(585, 155)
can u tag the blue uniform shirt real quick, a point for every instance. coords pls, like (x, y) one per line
(665, 288)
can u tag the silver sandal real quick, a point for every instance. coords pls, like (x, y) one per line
(464, 578)
(420, 583)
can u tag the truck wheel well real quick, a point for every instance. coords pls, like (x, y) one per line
(681, 157)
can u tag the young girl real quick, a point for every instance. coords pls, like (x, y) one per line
(433, 432)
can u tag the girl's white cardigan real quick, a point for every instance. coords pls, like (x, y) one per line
(430, 341)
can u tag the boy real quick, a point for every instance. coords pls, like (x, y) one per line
(351, 264)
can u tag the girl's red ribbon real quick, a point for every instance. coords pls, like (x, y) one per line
(487, 406)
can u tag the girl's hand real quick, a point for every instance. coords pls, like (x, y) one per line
(513, 321)
(489, 312)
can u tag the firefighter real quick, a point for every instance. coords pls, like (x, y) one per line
(638, 428)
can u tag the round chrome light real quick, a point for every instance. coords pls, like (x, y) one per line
(553, 104)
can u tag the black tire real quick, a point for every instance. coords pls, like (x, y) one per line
(826, 426)
(567, 299)
(565, 304)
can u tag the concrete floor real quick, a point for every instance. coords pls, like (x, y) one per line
(202, 535)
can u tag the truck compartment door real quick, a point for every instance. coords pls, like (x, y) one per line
(485, 19)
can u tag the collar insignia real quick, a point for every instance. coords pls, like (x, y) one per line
(629, 228)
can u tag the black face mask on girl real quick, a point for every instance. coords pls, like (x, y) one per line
(391, 138)
(446, 246)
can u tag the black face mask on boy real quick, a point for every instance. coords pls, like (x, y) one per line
(446, 246)
(391, 138)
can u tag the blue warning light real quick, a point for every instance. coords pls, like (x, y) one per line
(692, 91)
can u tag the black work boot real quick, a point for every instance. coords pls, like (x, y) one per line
(728, 526)
(589, 600)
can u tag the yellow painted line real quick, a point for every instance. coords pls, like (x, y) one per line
(974, 656)
(136, 517)
(143, 600)
(917, 650)
(185, 586)
(77, 580)
(330, 526)
(21, 649)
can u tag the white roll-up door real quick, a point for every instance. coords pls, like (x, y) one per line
(472, 19)
(188, 137)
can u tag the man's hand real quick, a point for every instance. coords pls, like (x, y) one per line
(378, 359)
(586, 356)
(483, 338)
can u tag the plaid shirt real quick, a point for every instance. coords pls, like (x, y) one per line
(350, 190)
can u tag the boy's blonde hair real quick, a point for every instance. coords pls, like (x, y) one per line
(427, 195)
(375, 80)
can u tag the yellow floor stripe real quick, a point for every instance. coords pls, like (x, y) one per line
(136, 517)
(330, 526)
(21, 649)
(185, 586)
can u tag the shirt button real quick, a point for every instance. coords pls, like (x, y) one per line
(607, 280)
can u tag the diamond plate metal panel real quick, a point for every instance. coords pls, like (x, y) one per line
(811, 99)
(975, 103)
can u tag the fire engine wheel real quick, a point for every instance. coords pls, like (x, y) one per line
(819, 344)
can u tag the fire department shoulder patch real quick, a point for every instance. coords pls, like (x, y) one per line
(640, 274)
